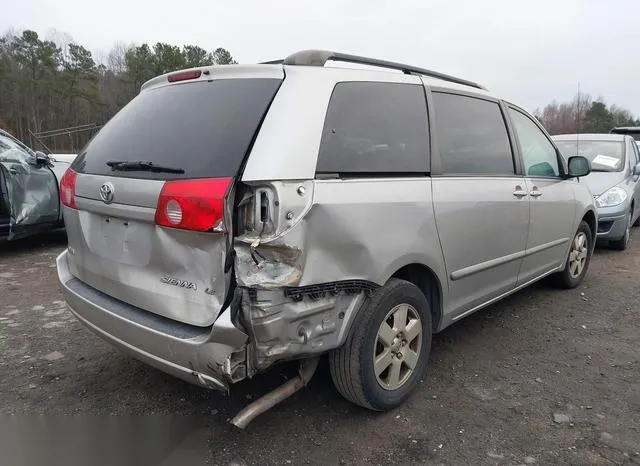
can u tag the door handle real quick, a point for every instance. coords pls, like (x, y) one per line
(519, 192)
(535, 192)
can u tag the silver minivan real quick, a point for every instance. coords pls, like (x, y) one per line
(230, 218)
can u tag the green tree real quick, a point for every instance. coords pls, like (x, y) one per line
(140, 65)
(167, 58)
(598, 119)
(582, 114)
(223, 57)
(80, 83)
(196, 56)
(36, 66)
(57, 83)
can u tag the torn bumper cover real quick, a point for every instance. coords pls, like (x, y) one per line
(211, 356)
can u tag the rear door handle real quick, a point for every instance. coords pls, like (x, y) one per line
(519, 192)
(535, 192)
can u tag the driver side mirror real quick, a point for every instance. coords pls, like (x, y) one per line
(42, 158)
(579, 166)
(636, 169)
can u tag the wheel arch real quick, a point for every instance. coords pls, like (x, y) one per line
(592, 220)
(428, 282)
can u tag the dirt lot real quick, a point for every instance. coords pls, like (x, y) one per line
(545, 377)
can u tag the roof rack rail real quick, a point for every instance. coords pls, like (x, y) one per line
(321, 57)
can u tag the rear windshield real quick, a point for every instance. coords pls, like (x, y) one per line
(203, 129)
(605, 156)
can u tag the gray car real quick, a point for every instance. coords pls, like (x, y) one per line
(614, 181)
(230, 218)
(29, 190)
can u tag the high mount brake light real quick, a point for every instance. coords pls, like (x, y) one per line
(184, 75)
(68, 188)
(196, 205)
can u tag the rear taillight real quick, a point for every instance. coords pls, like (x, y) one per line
(193, 204)
(68, 188)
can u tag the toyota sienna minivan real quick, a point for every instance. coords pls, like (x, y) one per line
(230, 218)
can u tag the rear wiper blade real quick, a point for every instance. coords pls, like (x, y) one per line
(142, 165)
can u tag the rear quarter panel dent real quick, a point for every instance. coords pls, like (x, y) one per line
(354, 229)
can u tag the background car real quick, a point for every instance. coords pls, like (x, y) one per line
(63, 157)
(614, 181)
(29, 190)
(633, 131)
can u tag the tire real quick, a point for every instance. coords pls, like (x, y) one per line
(623, 243)
(352, 365)
(569, 278)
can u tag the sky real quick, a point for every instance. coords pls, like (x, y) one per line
(527, 52)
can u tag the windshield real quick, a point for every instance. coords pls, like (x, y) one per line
(605, 156)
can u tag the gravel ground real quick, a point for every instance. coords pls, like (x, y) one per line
(543, 377)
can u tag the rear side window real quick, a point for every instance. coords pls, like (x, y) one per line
(375, 128)
(202, 128)
(471, 136)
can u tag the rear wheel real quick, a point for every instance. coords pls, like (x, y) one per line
(578, 259)
(387, 349)
(623, 242)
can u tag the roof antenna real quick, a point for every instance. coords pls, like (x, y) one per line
(578, 120)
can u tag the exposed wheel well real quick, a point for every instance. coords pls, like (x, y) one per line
(424, 278)
(590, 218)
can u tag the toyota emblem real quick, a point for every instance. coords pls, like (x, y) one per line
(106, 193)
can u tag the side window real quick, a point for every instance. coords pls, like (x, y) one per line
(375, 128)
(472, 136)
(539, 155)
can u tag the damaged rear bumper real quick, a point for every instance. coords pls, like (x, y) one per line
(283, 328)
(211, 356)
(286, 321)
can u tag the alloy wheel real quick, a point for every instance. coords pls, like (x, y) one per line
(397, 346)
(578, 254)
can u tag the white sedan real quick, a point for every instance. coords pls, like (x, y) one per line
(63, 157)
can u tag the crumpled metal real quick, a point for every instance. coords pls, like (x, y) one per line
(31, 192)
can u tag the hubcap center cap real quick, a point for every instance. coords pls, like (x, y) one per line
(397, 344)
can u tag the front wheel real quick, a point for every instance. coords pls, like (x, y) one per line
(387, 348)
(578, 259)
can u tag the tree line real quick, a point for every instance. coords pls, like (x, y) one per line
(584, 115)
(48, 84)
